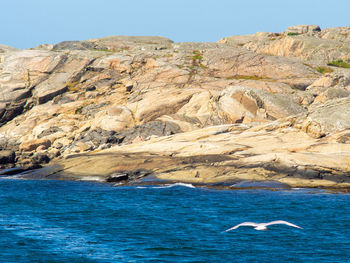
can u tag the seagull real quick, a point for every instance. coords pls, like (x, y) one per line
(262, 226)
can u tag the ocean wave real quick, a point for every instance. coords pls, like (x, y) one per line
(168, 186)
(92, 178)
(178, 184)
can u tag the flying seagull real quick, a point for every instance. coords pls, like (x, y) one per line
(263, 226)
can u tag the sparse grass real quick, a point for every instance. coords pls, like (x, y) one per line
(72, 86)
(339, 63)
(292, 34)
(324, 69)
(197, 55)
(79, 110)
(196, 63)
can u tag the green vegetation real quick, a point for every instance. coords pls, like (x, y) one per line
(196, 62)
(339, 63)
(72, 86)
(324, 70)
(79, 110)
(197, 55)
(292, 34)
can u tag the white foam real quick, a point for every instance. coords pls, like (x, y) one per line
(91, 178)
(176, 184)
(167, 186)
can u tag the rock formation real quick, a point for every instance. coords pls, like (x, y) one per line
(262, 107)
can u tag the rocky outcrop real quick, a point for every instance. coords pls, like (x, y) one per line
(115, 43)
(230, 153)
(117, 108)
(307, 43)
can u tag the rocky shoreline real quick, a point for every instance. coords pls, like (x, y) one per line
(268, 107)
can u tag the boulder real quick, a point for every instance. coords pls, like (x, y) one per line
(244, 64)
(31, 145)
(11, 110)
(23, 70)
(114, 118)
(7, 156)
(63, 79)
(242, 104)
(332, 116)
(303, 29)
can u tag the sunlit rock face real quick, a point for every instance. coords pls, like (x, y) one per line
(256, 107)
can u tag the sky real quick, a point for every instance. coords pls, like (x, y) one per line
(28, 23)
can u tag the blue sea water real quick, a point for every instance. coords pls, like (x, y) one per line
(61, 221)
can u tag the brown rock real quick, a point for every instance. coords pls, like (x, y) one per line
(248, 108)
(236, 63)
(240, 104)
(41, 148)
(28, 146)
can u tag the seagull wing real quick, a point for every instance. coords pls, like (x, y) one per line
(281, 222)
(242, 224)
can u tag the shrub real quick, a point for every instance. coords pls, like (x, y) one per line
(339, 63)
(72, 86)
(197, 55)
(292, 34)
(324, 70)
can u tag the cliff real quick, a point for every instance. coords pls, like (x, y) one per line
(262, 107)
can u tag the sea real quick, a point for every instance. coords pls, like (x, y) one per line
(66, 221)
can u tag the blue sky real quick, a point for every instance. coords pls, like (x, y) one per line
(27, 23)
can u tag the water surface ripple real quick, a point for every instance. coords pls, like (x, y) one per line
(59, 221)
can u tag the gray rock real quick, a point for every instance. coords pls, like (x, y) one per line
(261, 184)
(303, 29)
(11, 111)
(333, 116)
(157, 128)
(40, 158)
(73, 45)
(337, 92)
(49, 131)
(63, 79)
(115, 43)
(7, 156)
